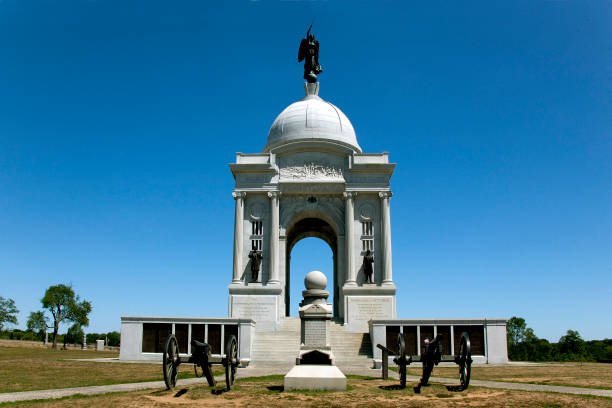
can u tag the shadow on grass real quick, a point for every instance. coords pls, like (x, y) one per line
(180, 392)
(394, 387)
(218, 391)
(276, 388)
(455, 388)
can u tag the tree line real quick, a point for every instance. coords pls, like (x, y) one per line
(524, 345)
(60, 304)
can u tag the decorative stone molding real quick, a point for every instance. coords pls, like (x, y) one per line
(367, 212)
(238, 194)
(292, 205)
(349, 195)
(312, 188)
(257, 211)
(385, 194)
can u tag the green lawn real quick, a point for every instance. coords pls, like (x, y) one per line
(26, 369)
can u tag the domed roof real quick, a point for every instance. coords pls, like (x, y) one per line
(312, 119)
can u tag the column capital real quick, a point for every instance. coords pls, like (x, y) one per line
(238, 194)
(274, 194)
(385, 194)
(349, 195)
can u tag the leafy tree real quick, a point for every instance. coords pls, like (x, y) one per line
(74, 335)
(38, 322)
(113, 338)
(64, 305)
(517, 331)
(8, 312)
(572, 346)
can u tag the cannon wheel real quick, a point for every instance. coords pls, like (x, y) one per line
(402, 359)
(231, 361)
(464, 360)
(171, 361)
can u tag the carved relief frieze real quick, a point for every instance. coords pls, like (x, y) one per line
(311, 171)
(311, 167)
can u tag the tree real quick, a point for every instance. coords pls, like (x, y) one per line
(8, 312)
(517, 331)
(74, 335)
(37, 321)
(64, 305)
(572, 346)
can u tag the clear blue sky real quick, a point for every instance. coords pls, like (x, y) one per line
(118, 120)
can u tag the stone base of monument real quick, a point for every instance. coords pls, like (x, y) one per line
(315, 377)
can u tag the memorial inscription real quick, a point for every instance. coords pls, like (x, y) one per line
(363, 308)
(260, 309)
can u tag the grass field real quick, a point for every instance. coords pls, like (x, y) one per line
(35, 368)
(591, 375)
(363, 392)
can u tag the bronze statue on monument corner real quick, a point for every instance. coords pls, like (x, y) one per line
(255, 257)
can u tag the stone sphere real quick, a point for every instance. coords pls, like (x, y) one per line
(315, 280)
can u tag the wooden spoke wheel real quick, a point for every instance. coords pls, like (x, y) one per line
(231, 361)
(402, 359)
(464, 359)
(171, 361)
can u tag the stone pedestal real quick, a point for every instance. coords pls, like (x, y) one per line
(315, 369)
(315, 377)
(315, 314)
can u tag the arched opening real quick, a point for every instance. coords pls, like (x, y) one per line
(311, 254)
(307, 255)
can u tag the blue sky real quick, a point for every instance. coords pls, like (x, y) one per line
(118, 120)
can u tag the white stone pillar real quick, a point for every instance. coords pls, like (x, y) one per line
(274, 231)
(387, 277)
(349, 238)
(238, 230)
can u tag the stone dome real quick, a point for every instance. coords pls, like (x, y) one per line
(312, 119)
(315, 280)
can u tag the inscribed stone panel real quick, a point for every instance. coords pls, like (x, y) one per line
(260, 308)
(363, 308)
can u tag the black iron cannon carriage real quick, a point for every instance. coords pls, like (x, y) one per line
(431, 357)
(202, 361)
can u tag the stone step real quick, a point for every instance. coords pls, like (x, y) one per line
(282, 346)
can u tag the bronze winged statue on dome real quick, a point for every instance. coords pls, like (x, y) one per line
(309, 53)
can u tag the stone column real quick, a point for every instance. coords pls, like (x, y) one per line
(238, 230)
(274, 231)
(349, 238)
(387, 277)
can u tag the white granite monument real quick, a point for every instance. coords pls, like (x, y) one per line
(312, 180)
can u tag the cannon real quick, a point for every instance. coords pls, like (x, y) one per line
(202, 361)
(431, 357)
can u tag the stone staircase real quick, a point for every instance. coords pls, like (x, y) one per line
(350, 348)
(281, 347)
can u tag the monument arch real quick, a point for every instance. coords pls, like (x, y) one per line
(311, 224)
